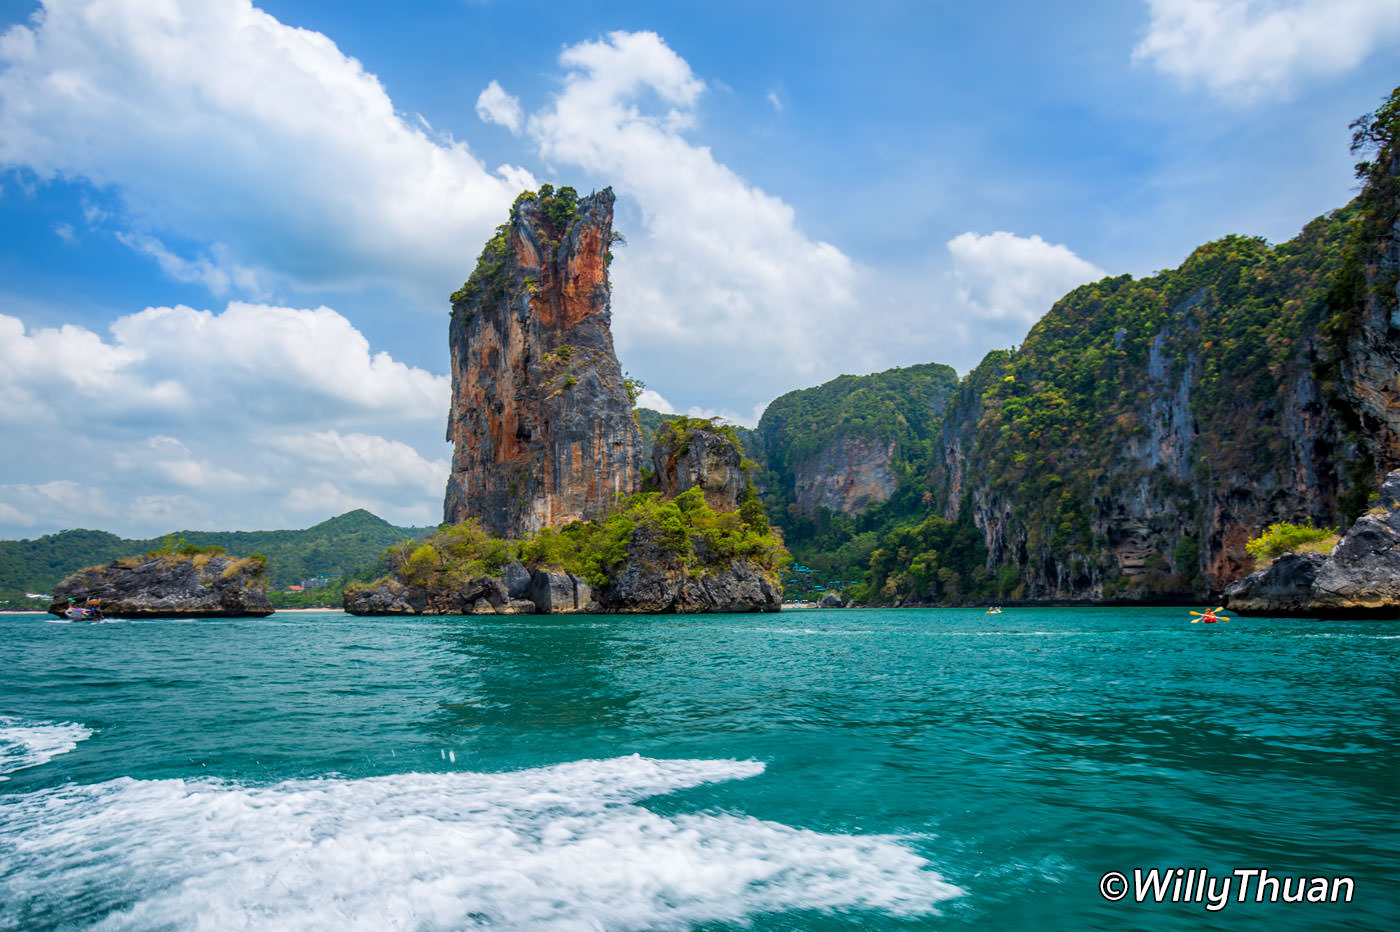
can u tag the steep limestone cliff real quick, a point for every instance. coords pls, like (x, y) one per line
(1367, 364)
(540, 417)
(848, 476)
(1147, 429)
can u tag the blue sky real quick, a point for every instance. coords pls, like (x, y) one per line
(227, 231)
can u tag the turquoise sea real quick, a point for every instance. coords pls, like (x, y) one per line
(812, 770)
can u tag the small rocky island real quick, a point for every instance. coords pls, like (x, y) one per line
(659, 551)
(549, 507)
(195, 582)
(1360, 578)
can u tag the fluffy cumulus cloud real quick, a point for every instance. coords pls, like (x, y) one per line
(256, 416)
(494, 105)
(720, 279)
(213, 120)
(1249, 49)
(654, 400)
(1007, 282)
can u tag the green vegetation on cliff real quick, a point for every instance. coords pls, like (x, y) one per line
(935, 560)
(1075, 419)
(684, 528)
(674, 432)
(557, 210)
(903, 405)
(1284, 537)
(449, 557)
(650, 422)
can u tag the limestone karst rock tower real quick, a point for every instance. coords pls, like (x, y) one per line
(540, 419)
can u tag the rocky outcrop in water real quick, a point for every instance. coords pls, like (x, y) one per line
(1285, 587)
(651, 582)
(656, 581)
(557, 593)
(484, 595)
(170, 586)
(1360, 578)
(540, 420)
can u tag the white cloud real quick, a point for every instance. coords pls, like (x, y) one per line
(65, 232)
(494, 105)
(651, 399)
(175, 362)
(185, 418)
(315, 356)
(51, 505)
(370, 459)
(720, 280)
(215, 275)
(266, 142)
(724, 415)
(170, 458)
(1013, 280)
(12, 517)
(1248, 49)
(775, 101)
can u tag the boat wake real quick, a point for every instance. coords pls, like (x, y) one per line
(27, 744)
(565, 847)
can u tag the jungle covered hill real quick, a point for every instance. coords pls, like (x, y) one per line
(344, 547)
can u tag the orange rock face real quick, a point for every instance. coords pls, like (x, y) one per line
(541, 423)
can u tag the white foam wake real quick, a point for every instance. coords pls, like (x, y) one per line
(555, 848)
(27, 744)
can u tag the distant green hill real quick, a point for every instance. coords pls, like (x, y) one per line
(341, 547)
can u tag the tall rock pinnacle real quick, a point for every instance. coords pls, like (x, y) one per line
(540, 418)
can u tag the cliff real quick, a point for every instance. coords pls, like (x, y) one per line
(172, 585)
(844, 445)
(1147, 429)
(541, 421)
